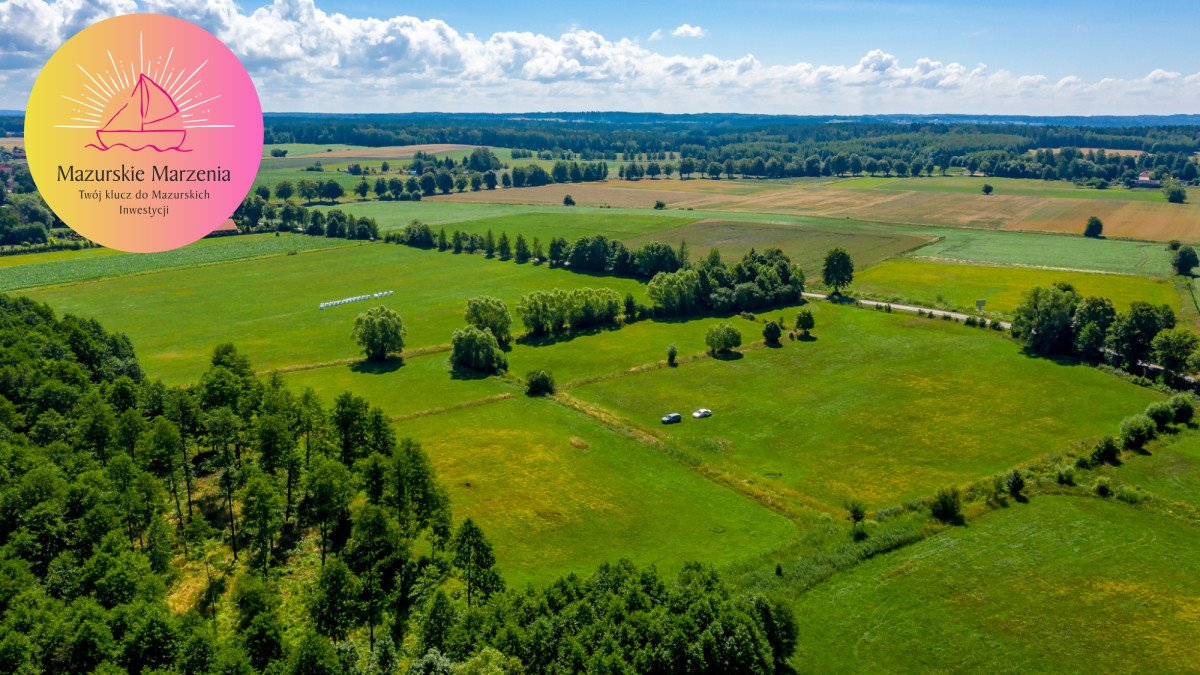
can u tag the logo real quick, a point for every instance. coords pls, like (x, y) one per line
(143, 133)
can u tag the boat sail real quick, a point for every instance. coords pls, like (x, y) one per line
(149, 119)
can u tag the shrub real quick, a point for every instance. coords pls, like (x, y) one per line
(1094, 228)
(1129, 494)
(1106, 451)
(947, 505)
(539, 383)
(659, 205)
(1065, 474)
(672, 353)
(772, 332)
(1015, 483)
(1161, 413)
(1183, 407)
(1136, 431)
(568, 201)
(1102, 486)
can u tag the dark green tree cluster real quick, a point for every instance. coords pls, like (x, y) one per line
(545, 313)
(110, 483)
(257, 215)
(1056, 320)
(623, 619)
(757, 281)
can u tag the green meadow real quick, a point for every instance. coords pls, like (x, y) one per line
(1059, 584)
(63, 267)
(270, 306)
(959, 286)
(558, 493)
(931, 403)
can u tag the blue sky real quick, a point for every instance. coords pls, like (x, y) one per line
(1050, 37)
(831, 57)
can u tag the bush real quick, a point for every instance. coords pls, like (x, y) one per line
(1102, 486)
(659, 205)
(722, 338)
(672, 353)
(568, 201)
(1015, 483)
(1129, 494)
(772, 332)
(539, 383)
(1183, 407)
(1106, 451)
(1137, 431)
(1161, 413)
(947, 506)
(1065, 474)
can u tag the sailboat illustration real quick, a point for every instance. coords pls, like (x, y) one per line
(150, 119)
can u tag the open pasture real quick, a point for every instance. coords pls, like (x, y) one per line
(269, 306)
(341, 150)
(61, 267)
(558, 493)
(931, 403)
(12, 142)
(1056, 585)
(1170, 471)
(958, 286)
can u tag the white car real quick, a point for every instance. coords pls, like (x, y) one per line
(703, 412)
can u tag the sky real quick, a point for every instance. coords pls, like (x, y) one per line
(759, 56)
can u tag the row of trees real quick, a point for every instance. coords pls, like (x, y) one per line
(255, 214)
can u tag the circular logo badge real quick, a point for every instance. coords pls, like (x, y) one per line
(143, 133)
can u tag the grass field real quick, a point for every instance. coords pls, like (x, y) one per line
(1062, 584)
(1170, 472)
(557, 493)
(959, 286)
(59, 267)
(931, 403)
(269, 306)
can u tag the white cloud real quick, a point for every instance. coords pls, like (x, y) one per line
(305, 59)
(689, 31)
(656, 35)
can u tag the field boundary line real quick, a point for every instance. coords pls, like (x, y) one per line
(451, 408)
(654, 365)
(782, 502)
(300, 367)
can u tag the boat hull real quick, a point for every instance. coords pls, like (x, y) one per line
(161, 141)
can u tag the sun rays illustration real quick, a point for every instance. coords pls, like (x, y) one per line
(147, 103)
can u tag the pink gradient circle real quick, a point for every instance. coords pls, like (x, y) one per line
(143, 132)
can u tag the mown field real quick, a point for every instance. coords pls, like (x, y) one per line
(269, 306)
(954, 285)
(931, 403)
(1059, 584)
(557, 493)
(62, 267)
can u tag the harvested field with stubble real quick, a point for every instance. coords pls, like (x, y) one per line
(1133, 215)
